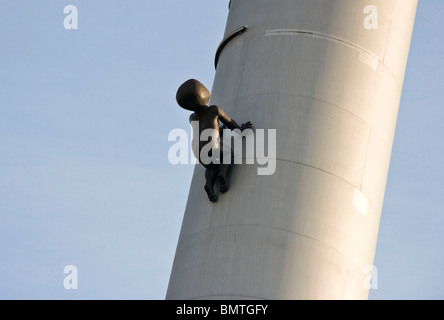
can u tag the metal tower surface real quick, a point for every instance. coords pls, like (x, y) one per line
(328, 76)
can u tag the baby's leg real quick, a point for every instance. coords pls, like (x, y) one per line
(223, 170)
(225, 167)
(210, 177)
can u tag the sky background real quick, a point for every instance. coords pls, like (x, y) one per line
(84, 173)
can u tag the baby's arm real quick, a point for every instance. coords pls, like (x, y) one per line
(230, 123)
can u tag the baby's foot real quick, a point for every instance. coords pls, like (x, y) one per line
(224, 187)
(211, 195)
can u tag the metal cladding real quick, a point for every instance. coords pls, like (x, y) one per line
(327, 76)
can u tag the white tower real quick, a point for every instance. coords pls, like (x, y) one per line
(327, 75)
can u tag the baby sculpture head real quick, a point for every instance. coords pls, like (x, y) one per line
(192, 95)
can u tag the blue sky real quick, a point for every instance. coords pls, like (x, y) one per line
(84, 172)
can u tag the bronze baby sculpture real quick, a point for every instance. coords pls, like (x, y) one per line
(192, 95)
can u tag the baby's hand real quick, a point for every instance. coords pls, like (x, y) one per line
(246, 125)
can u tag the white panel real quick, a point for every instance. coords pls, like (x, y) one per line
(360, 202)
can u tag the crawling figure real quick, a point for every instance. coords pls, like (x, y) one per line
(193, 96)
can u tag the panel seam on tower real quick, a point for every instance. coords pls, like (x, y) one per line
(274, 228)
(325, 36)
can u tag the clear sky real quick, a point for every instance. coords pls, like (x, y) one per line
(84, 173)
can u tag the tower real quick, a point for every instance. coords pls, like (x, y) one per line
(328, 76)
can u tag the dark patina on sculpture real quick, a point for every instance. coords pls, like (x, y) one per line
(192, 95)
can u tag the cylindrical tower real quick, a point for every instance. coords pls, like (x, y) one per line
(327, 75)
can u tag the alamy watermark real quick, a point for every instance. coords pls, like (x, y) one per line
(71, 21)
(224, 147)
(371, 20)
(371, 277)
(71, 281)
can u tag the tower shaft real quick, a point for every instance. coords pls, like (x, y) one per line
(328, 76)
